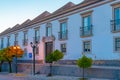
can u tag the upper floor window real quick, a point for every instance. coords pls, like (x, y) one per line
(86, 46)
(16, 39)
(117, 44)
(63, 30)
(115, 23)
(86, 29)
(37, 35)
(25, 40)
(8, 41)
(48, 29)
(2, 42)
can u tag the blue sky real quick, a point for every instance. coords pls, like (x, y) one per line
(14, 12)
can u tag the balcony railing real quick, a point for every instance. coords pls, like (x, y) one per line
(63, 35)
(37, 38)
(115, 25)
(15, 43)
(86, 31)
(25, 42)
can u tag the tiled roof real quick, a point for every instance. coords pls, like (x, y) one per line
(16, 27)
(5, 31)
(65, 7)
(40, 17)
(24, 24)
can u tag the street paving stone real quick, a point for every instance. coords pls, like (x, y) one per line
(13, 76)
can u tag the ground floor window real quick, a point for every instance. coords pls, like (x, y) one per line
(37, 50)
(63, 48)
(25, 52)
(117, 44)
(86, 46)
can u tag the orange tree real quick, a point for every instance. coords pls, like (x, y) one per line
(2, 58)
(11, 52)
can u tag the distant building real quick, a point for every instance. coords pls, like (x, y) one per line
(91, 28)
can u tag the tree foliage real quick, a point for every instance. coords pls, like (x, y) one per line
(84, 62)
(54, 56)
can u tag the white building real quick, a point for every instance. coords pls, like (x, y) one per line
(91, 28)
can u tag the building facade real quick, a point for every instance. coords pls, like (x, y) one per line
(91, 28)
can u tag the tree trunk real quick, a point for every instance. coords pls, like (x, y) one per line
(83, 73)
(1, 66)
(50, 74)
(10, 67)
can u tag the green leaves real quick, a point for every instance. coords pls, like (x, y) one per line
(84, 62)
(54, 56)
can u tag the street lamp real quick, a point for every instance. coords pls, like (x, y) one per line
(16, 49)
(33, 47)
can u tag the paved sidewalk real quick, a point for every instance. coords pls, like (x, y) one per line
(20, 76)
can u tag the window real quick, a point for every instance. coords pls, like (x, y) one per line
(115, 23)
(25, 52)
(25, 40)
(117, 44)
(86, 46)
(48, 29)
(63, 48)
(87, 22)
(37, 50)
(117, 18)
(16, 39)
(63, 31)
(36, 35)
(8, 41)
(2, 41)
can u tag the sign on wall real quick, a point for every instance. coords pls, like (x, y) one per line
(30, 55)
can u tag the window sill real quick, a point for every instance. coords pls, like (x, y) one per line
(83, 36)
(116, 31)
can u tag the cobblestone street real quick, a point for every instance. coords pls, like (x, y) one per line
(12, 76)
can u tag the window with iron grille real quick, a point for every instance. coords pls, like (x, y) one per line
(115, 22)
(63, 48)
(117, 44)
(86, 46)
(63, 30)
(86, 29)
